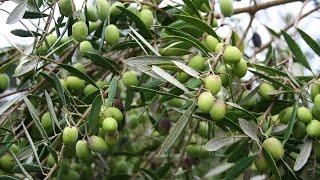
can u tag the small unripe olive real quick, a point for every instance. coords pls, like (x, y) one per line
(232, 54)
(75, 83)
(103, 9)
(110, 125)
(147, 17)
(46, 120)
(121, 167)
(205, 101)
(317, 102)
(51, 39)
(218, 110)
(115, 113)
(89, 89)
(97, 144)
(14, 148)
(114, 10)
(226, 7)
(80, 67)
(85, 46)
(314, 90)
(214, 22)
(240, 68)
(274, 147)
(70, 135)
(7, 162)
(183, 77)
(264, 89)
(313, 128)
(224, 74)
(112, 34)
(211, 42)
(82, 149)
(261, 163)
(299, 130)
(71, 174)
(82, 17)
(63, 83)
(91, 14)
(285, 115)
(250, 102)
(304, 115)
(129, 79)
(176, 102)
(219, 47)
(203, 129)
(66, 7)
(197, 62)
(315, 112)
(195, 150)
(112, 138)
(213, 83)
(133, 9)
(80, 31)
(164, 125)
(50, 161)
(4, 82)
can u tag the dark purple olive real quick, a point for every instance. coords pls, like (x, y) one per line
(118, 104)
(256, 40)
(164, 125)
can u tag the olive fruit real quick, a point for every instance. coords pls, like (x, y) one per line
(14, 148)
(112, 138)
(97, 144)
(110, 125)
(4, 82)
(232, 54)
(66, 7)
(82, 149)
(299, 130)
(203, 129)
(176, 102)
(265, 89)
(274, 147)
(197, 62)
(218, 110)
(114, 10)
(75, 83)
(313, 128)
(115, 113)
(195, 150)
(211, 42)
(71, 174)
(85, 46)
(70, 135)
(256, 39)
(304, 115)
(7, 162)
(46, 120)
(50, 161)
(240, 68)
(91, 14)
(261, 163)
(224, 73)
(129, 79)
(285, 115)
(205, 101)
(89, 89)
(317, 102)
(250, 102)
(314, 90)
(80, 67)
(112, 34)
(315, 112)
(164, 125)
(183, 77)
(226, 7)
(213, 83)
(146, 17)
(80, 31)
(103, 9)
(219, 47)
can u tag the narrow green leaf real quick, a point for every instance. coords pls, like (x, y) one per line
(36, 119)
(125, 45)
(216, 143)
(239, 152)
(187, 69)
(78, 73)
(51, 110)
(53, 153)
(240, 167)
(199, 24)
(241, 109)
(24, 33)
(8, 104)
(33, 15)
(303, 155)
(20, 167)
(162, 73)
(272, 164)
(103, 62)
(129, 98)
(312, 43)
(95, 112)
(17, 13)
(149, 174)
(150, 60)
(112, 91)
(58, 87)
(291, 123)
(177, 129)
(144, 30)
(296, 51)
(5, 148)
(192, 7)
(250, 129)
(30, 168)
(162, 170)
(167, 94)
(7, 177)
(27, 151)
(145, 42)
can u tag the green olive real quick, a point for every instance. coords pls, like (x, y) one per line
(129, 79)
(211, 42)
(80, 31)
(46, 120)
(147, 17)
(205, 101)
(197, 62)
(80, 67)
(75, 83)
(70, 135)
(265, 89)
(232, 54)
(110, 125)
(4, 82)
(274, 147)
(97, 144)
(66, 7)
(213, 83)
(313, 129)
(218, 110)
(85, 46)
(103, 9)
(240, 68)
(114, 10)
(226, 7)
(112, 34)
(304, 115)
